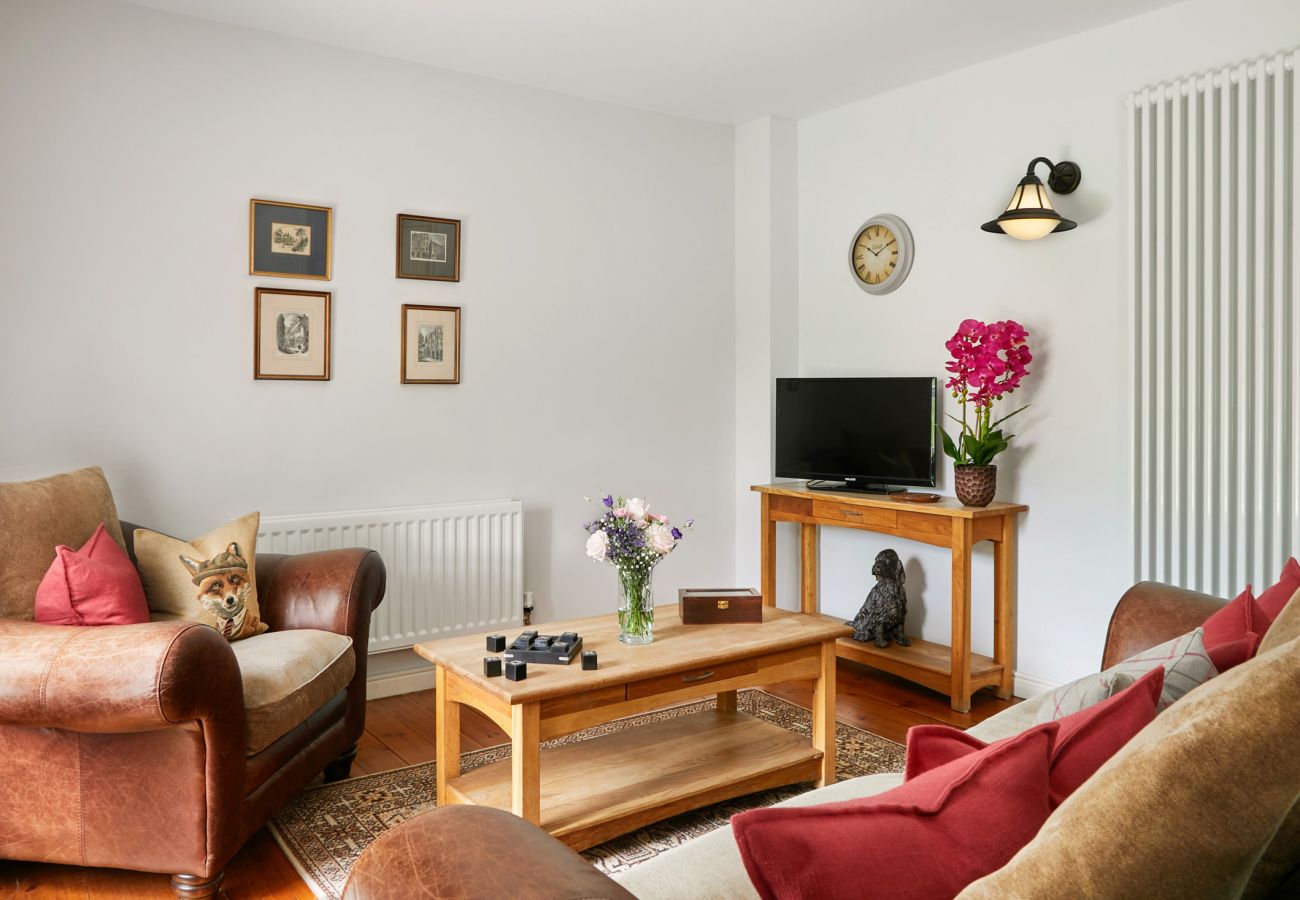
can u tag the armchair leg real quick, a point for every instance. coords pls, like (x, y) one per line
(341, 767)
(196, 887)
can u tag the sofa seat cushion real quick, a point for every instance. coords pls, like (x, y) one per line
(36, 517)
(287, 676)
(709, 867)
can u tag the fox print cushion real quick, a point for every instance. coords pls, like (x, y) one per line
(212, 579)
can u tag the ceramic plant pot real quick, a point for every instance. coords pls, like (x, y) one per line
(975, 485)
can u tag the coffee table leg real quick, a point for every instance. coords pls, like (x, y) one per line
(823, 713)
(448, 738)
(526, 762)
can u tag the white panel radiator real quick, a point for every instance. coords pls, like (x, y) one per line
(450, 567)
(1216, 329)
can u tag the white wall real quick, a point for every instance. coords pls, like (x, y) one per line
(597, 287)
(945, 154)
(767, 321)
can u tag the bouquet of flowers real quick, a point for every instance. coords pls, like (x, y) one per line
(988, 363)
(633, 540)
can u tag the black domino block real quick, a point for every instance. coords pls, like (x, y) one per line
(496, 642)
(491, 666)
(589, 659)
(516, 670)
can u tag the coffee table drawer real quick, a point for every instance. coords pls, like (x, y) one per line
(704, 675)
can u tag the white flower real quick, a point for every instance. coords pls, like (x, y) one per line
(598, 545)
(637, 509)
(660, 539)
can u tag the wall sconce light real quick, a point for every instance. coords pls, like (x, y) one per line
(1030, 216)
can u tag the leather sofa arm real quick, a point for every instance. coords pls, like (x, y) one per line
(1151, 613)
(331, 590)
(474, 851)
(118, 679)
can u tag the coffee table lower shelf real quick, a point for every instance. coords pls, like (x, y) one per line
(602, 787)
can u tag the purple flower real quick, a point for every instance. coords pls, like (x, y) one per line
(608, 500)
(677, 535)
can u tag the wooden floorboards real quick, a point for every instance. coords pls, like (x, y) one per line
(400, 732)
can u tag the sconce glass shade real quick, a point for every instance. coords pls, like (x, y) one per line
(1030, 215)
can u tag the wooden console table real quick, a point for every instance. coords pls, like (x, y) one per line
(952, 670)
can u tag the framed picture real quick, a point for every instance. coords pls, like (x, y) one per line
(430, 344)
(290, 240)
(428, 248)
(291, 335)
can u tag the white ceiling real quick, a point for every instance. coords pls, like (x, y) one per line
(718, 60)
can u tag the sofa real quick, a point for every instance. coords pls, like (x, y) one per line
(160, 746)
(401, 862)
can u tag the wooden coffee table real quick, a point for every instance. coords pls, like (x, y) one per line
(592, 790)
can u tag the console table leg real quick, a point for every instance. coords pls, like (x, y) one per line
(767, 527)
(823, 713)
(447, 744)
(727, 701)
(526, 762)
(1004, 605)
(961, 553)
(808, 569)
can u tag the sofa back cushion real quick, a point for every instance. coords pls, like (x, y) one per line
(1185, 809)
(37, 516)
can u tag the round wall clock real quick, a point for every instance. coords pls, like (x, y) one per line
(881, 254)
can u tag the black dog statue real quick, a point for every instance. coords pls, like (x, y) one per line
(882, 615)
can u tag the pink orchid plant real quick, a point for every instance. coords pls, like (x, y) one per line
(988, 363)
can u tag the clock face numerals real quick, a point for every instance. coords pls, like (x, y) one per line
(875, 254)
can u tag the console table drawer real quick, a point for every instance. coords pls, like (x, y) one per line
(705, 675)
(848, 512)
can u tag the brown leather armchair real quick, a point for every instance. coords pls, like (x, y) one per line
(126, 746)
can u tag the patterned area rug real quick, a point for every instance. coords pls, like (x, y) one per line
(324, 829)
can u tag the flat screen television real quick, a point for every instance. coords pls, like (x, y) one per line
(870, 433)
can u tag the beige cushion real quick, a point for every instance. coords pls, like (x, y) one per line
(212, 579)
(287, 676)
(1285, 628)
(709, 866)
(37, 516)
(1185, 809)
(1186, 664)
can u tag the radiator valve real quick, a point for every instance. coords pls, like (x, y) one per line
(528, 607)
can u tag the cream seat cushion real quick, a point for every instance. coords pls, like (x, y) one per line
(709, 867)
(287, 676)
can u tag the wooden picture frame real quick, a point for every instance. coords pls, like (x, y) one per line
(291, 335)
(430, 344)
(290, 240)
(428, 248)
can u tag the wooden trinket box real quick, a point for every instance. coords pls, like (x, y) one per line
(719, 606)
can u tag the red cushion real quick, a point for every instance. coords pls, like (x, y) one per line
(924, 840)
(96, 585)
(1234, 621)
(1086, 740)
(1273, 599)
(1234, 653)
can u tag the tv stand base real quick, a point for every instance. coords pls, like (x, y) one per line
(857, 488)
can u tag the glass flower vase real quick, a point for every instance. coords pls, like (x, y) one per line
(636, 606)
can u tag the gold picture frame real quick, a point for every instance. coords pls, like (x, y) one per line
(428, 248)
(430, 344)
(290, 240)
(291, 335)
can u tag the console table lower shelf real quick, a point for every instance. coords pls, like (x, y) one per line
(599, 788)
(924, 662)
